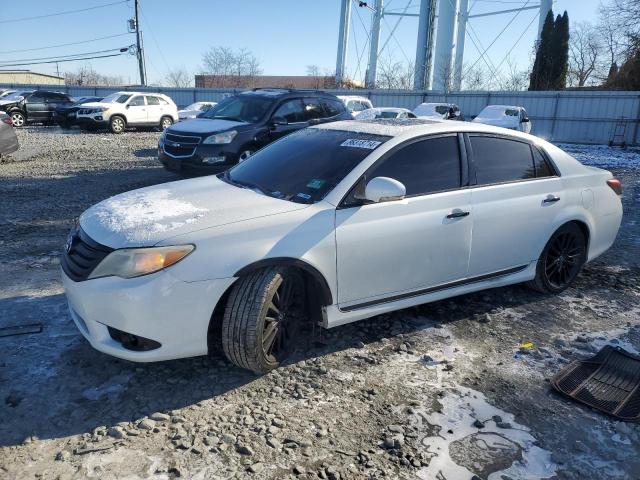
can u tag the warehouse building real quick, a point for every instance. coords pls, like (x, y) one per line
(27, 77)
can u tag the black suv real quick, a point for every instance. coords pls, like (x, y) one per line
(235, 128)
(65, 114)
(38, 106)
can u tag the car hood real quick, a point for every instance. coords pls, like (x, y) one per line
(96, 105)
(204, 125)
(150, 215)
(8, 102)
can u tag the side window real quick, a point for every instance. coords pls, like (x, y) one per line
(312, 109)
(291, 110)
(542, 166)
(137, 101)
(355, 106)
(425, 166)
(153, 101)
(36, 98)
(500, 160)
(332, 107)
(161, 101)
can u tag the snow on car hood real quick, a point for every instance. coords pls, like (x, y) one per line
(96, 105)
(504, 121)
(149, 215)
(204, 125)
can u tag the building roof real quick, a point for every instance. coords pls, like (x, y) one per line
(29, 72)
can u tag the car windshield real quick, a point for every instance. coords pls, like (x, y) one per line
(305, 166)
(82, 100)
(116, 98)
(246, 108)
(387, 114)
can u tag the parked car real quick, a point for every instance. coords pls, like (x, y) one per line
(65, 115)
(505, 116)
(238, 126)
(122, 110)
(384, 112)
(330, 225)
(445, 111)
(195, 109)
(33, 107)
(8, 138)
(355, 104)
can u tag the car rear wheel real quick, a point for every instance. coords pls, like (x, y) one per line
(262, 318)
(561, 260)
(18, 119)
(165, 122)
(116, 124)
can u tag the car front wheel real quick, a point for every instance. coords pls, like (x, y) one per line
(262, 318)
(116, 124)
(18, 119)
(165, 123)
(561, 260)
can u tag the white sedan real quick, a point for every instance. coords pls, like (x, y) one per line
(384, 112)
(505, 116)
(330, 225)
(195, 109)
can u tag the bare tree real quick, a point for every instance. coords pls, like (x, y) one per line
(86, 75)
(394, 74)
(512, 78)
(314, 72)
(623, 16)
(474, 77)
(230, 68)
(585, 53)
(179, 78)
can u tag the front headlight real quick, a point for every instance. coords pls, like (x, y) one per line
(221, 138)
(135, 262)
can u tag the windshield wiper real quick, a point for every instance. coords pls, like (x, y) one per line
(222, 117)
(238, 183)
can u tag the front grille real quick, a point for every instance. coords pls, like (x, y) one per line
(180, 145)
(82, 255)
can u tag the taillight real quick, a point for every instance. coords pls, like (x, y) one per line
(7, 120)
(615, 185)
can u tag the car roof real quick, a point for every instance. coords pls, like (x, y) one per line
(284, 92)
(412, 127)
(353, 97)
(496, 107)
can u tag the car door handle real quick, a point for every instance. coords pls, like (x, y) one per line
(551, 199)
(457, 214)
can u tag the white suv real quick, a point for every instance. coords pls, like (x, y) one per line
(331, 224)
(121, 110)
(355, 104)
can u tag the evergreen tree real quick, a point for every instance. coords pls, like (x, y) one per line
(542, 63)
(627, 77)
(613, 71)
(560, 65)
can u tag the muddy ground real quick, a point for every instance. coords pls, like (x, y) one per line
(441, 391)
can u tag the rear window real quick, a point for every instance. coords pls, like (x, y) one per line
(305, 166)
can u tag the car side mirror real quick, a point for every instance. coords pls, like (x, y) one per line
(279, 121)
(525, 120)
(127, 106)
(384, 189)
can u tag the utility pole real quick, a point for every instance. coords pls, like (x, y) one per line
(139, 49)
(370, 80)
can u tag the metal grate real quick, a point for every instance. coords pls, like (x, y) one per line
(180, 145)
(609, 381)
(82, 255)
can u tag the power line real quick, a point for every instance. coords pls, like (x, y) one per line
(518, 40)
(24, 19)
(63, 56)
(61, 61)
(65, 44)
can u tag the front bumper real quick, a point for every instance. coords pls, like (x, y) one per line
(199, 162)
(91, 122)
(159, 307)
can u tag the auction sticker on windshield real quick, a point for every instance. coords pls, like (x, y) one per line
(357, 143)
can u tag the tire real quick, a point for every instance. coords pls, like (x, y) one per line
(561, 260)
(165, 122)
(251, 320)
(18, 119)
(117, 124)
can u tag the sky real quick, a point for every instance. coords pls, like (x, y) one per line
(285, 35)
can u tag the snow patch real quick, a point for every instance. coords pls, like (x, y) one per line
(603, 156)
(112, 387)
(140, 215)
(461, 406)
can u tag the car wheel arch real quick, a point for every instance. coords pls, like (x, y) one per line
(319, 297)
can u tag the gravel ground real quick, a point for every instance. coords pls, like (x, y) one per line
(442, 391)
